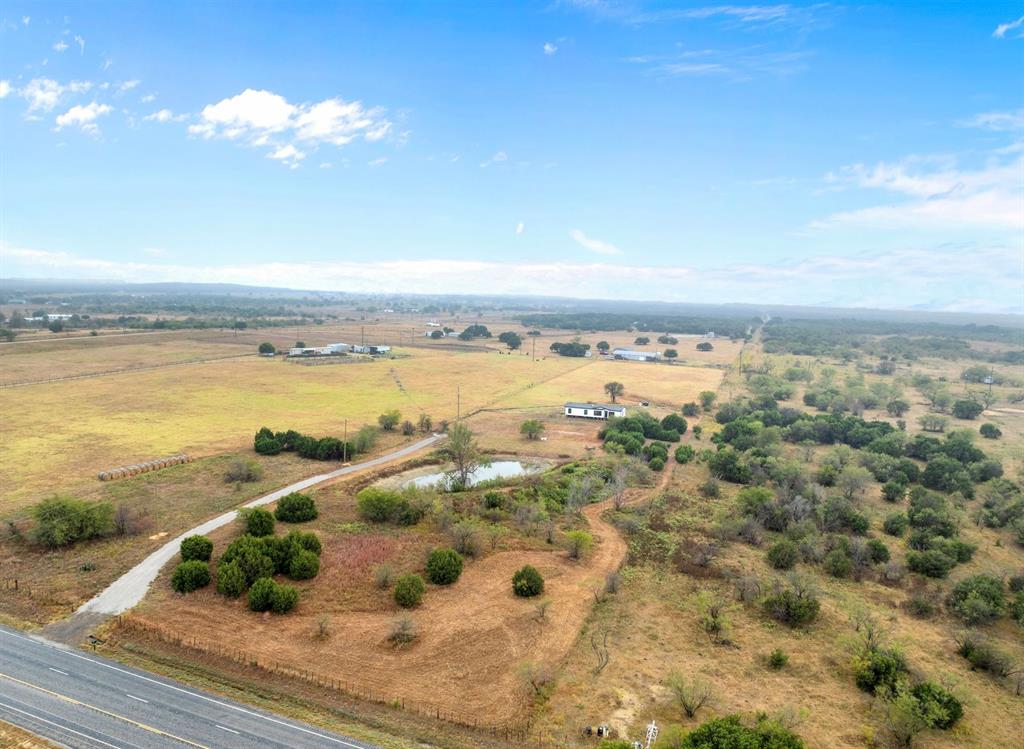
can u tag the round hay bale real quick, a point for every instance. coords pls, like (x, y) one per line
(102, 476)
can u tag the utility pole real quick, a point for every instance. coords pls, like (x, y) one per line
(362, 335)
(534, 347)
(458, 402)
(344, 445)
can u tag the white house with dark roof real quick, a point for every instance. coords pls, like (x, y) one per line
(594, 411)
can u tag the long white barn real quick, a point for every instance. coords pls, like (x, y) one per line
(594, 411)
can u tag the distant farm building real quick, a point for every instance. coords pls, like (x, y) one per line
(631, 355)
(372, 350)
(339, 349)
(594, 411)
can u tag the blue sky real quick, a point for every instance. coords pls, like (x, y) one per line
(855, 155)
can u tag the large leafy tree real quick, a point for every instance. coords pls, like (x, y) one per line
(614, 389)
(462, 450)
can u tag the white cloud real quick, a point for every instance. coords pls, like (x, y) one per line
(381, 161)
(154, 251)
(83, 116)
(127, 86)
(937, 193)
(26, 20)
(497, 158)
(287, 154)
(164, 115)
(945, 277)
(326, 165)
(107, 63)
(594, 245)
(264, 119)
(549, 48)
(80, 41)
(148, 99)
(520, 228)
(60, 45)
(5, 89)
(998, 121)
(1003, 28)
(45, 93)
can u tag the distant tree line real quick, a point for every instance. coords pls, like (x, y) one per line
(267, 442)
(737, 327)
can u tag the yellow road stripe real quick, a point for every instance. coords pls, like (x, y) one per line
(73, 701)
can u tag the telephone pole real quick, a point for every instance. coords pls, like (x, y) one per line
(534, 347)
(344, 445)
(458, 402)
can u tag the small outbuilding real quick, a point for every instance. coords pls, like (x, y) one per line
(631, 355)
(594, 411)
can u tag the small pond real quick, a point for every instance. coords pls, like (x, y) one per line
(498, 469)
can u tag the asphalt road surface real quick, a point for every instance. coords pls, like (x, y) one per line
(130, 588)
(82, 701)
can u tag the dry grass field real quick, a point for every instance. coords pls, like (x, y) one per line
(12, 737)
(653, 628)
(473, 636)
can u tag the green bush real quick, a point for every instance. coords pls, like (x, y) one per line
(304, 565)
(383, 506)
(777, 660)
(977, 599)
(893, 491)
(252, 558)
(783, 555)
(684, 454)
(838, 563)
(243, 470)
(190, 575)
(730, 733)
(409, 590)
(793, 608)
(307, 541)
(230, 580)
(983, 656)
(879, 667)
(61, 521)
(258, 522)
(261, 594)
(895, 524)
(444, 566)
(878, 551)
(196, 547)
(1016, 608)
(283, 598)
(930, 563)
(990, 431)
(527, 582)
(942, 708)
(656, 464)
(295, 508)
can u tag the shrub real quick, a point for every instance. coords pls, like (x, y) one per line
(684, 454)
(230, 580)
(261, 594)
(295, 508)
(380, 505)
(389, 420)
(710, 488)
(409, 590)
(243, 471)
(408, 428)
(783, 555)
(403, 630)
(190, 575)
(304, 565)
(977, 599)
(777, 660)
(983, 656)
(930, 563)
(527, 582)
(444, 566)
(690, 694)
(1016, 608)
(967, 409)
(921, 606)
(876, 668)
(258, 522)
(531, 429)
(307, 541)
(578, 543)
(730, 733)
(283, 598)
(838, 563)
(196, 547)
(656, 464)
(895, 524)
(878, 552)
(60, 521)
(893, 491)
(382, 575)
(252, 558)
(990, 431)
(793, 607)
(942, 708)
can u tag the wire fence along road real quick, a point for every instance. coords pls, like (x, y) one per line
(87, 702)
(131, 587)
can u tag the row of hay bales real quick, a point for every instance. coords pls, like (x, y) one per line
(136, 469)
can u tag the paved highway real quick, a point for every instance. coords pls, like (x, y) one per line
(130, 588)
(83, 701)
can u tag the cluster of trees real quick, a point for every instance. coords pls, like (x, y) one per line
(729, 732)
(731, 327)
(267, 442)
(474, 331)
(511, 339)
(573, 348)
(62, 521)
(629, 434)
(379, 505)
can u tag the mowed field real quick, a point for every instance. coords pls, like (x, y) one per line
(57, 436)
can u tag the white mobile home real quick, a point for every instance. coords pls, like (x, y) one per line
(594, 411)
(631, 355)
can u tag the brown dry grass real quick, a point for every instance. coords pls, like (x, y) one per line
(13, 737)
(473, 635)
